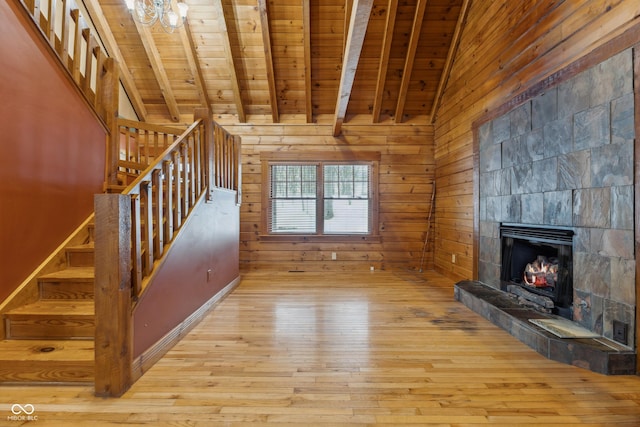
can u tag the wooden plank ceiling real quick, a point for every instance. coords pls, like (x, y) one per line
(287, 61)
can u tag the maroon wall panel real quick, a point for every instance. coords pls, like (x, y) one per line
(210, 241)
(52, 151)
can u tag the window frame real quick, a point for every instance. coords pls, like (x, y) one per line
(319, 159)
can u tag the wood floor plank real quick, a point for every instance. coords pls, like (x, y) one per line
(347, 349)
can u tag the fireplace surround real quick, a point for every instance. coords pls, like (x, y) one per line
(562, 159)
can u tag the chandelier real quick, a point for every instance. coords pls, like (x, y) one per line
(148, 12)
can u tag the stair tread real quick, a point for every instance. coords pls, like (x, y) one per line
(71, 273)
(83, 247)
(61, 350)
(56, 308)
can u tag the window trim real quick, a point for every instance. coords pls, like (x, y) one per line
(371, 157)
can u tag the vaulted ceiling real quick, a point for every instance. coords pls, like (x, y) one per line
(287, 61)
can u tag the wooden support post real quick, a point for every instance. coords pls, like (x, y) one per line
(114, 334)
(109, 92)
(205, 115)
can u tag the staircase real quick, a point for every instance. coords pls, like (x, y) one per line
(51, 338)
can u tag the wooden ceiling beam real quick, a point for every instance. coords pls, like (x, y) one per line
(392, 10)
(146, 36)
(453, 49)
(106, 36)
(235, 84)
(411, 54)
(355, 39)
(194, 64)
(306, 23)
(268, 56)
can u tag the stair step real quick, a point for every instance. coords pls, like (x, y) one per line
(46, 361)
(70, 283)
(52, 319)
(81, 255)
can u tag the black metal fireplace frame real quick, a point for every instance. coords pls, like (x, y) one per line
(546, 239)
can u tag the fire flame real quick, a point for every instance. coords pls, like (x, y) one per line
(543, 272)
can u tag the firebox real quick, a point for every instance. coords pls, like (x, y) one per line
(539, 259)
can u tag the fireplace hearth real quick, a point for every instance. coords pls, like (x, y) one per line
(539, 261)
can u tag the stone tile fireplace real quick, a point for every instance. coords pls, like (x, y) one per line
(564, 160)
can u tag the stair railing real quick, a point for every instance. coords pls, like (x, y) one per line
(138, 145)
(134, 231)
(73, 43)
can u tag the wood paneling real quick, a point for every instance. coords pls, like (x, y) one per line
(406, 173)
(505, 49)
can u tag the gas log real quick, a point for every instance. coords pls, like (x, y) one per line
(542, 273)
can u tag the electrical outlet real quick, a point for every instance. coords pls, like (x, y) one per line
(453, 258)
(334, 256)
(620, 332)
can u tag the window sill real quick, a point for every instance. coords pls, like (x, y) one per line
(325, 238)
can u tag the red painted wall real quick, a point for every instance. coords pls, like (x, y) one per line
(52, 152)
(210, 240)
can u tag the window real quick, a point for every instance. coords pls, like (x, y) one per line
(321, 198)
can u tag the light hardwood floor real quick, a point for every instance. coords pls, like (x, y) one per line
(331, 349)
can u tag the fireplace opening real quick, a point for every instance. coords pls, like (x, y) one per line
(539, 261)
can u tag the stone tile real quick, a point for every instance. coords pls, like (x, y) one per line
(544, 108)
(622, 119)
(612, 165)
(532, 208)
(522, 179)
(545, 174)
(491, 158)
(625, 313)
(495, 183)
(558, 208)
(623, 281)
(520, 119)
(591, 127)
(489, 250)
(574, 170)
(532, 145)
(587, 310)
(483, 208)
(501, 129)
(490, 229)
(511, 152)
(622, 207)
(592, 207)
(613, 243)
(494, 209)
(489, 274)
(558, 137)
(612, 78)
(485, 136)
(581, 240)
(592, 273)
(511, 210)
(574, 95)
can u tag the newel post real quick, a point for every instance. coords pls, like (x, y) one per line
(205, 115)
(108, 107)
(112, 289)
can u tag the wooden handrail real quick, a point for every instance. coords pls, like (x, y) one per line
(75, 45)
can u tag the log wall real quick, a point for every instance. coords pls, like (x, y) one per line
(406, 176)
(505, 49)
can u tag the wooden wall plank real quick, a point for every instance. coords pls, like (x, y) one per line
(406, 174)
(505, 49)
